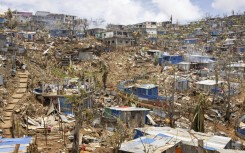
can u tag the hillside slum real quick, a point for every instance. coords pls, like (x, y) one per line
(118, 90)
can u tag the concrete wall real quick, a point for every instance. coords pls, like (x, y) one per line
(118, 42)
(84, 56)
(134, 118)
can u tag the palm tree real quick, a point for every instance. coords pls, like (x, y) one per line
(198, 120)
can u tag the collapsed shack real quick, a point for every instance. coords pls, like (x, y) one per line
(131, 116)
(189, 139)
(240, 127)
(58, 92)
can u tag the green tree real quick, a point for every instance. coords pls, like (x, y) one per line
(11, 22)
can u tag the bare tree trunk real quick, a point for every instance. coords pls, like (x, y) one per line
(172, 122)
(75, 145)
(216, 84)
(228, 105)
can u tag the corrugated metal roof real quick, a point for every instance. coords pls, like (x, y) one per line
(211, 142)
(230, 151)
(8, 144)
(129, 109)
(146, 86)
(149, 142)
(237, 65)
(208, 82)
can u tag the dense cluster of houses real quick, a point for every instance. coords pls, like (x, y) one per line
(204, 56)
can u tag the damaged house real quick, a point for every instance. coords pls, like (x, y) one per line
(208, 85)
(145, 92)
(86, 54)
(201, 61)
(189, 140)
(2, 20)
(132, 116)
(118, 38)
(170, 59)
(3, 41)
(151, 143)
(56, 94)
(60, 33)
(94, 32)
(191, 41)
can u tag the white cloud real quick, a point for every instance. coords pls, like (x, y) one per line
(229, 5)
(113, 11)
(182, 10)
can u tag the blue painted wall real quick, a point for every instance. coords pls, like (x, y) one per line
(2, 20)
(65, 106)
(190, 41)
(173, 59)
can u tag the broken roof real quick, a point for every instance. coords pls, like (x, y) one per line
(125, 108)
(146, 86)
(230, 151)
(151, 142)
(189, 137)
(208, 82)
(237, 65)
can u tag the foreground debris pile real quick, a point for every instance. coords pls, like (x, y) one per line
(183, 89)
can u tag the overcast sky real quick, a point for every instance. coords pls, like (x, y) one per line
(130, 11)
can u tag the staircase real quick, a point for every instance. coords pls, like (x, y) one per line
(6, 125)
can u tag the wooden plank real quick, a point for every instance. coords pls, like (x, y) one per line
(23, 80)
(7, 124)
(7, 133)
(22, 85)
(23, 76)
(6, 114)
(14, 101)
(17, 96)
(7, 118)
(21, 90)
(22, 73)
(10, 107)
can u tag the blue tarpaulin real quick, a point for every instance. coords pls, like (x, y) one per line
(2, 20)
(162, 135)
(11, 149)
(13, 141)
(65, 106)
(147, 141)
(173, 59)
(8, 144)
